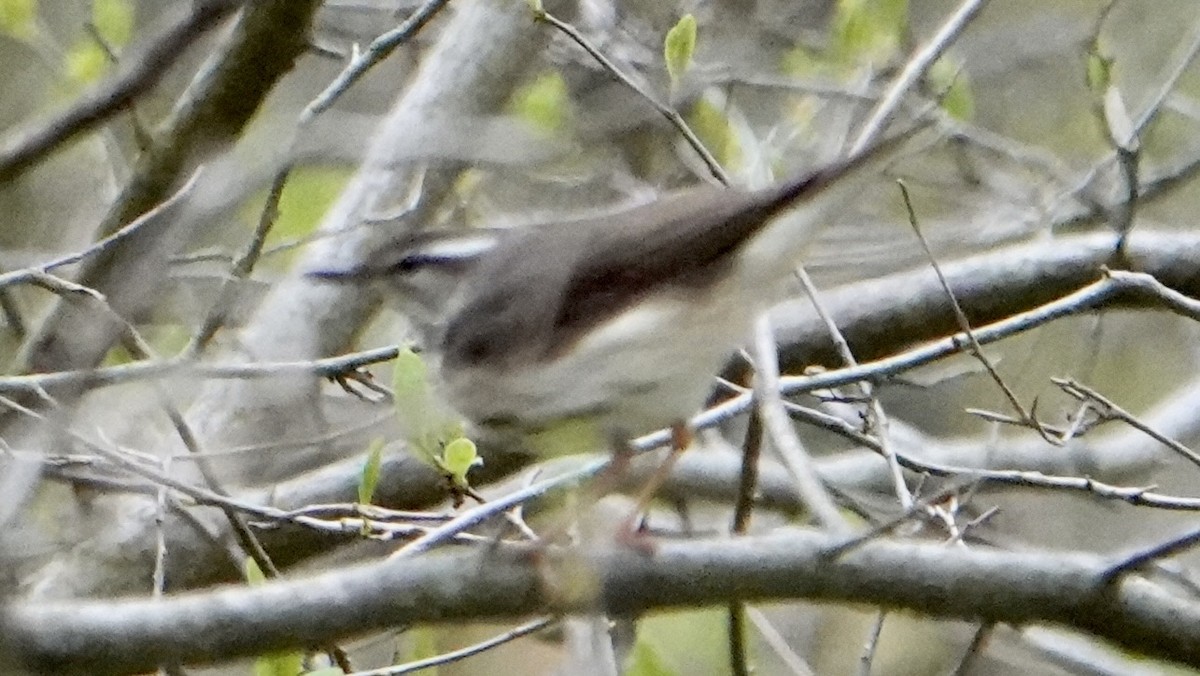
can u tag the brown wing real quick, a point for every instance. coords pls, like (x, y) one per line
(542, 288)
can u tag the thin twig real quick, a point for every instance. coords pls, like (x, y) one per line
(327, 367)
(739, 656)
(1153, 107)
(363, 61)
(878, 417)
(666, 111)
(1146, 556)
(867, 658)
(140, 134)
(914, 70)
(918, 507)
(25, 275)
(1110, 410)
(978, 642)
(531, 627)
(748, 477)
(199, 495)
(241, 268)
(1113, 284)
(159, 579)
(778, 643)
(797, 461)
(1141, 496)
(974, 348)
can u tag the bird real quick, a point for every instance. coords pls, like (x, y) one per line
(565, 336)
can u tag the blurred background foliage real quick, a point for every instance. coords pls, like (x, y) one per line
(764, 74)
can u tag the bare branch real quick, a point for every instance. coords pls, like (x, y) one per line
(100, 637)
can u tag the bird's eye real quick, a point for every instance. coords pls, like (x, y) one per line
(471, 349)
(406, 264)
(478, 350)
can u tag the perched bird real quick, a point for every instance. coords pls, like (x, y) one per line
(566, 336)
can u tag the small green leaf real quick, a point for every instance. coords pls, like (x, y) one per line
(544, 102)
(86, 62)
(536, 7)
(644, 660)
(410, 376)
(279, 664)
(114, 20)
(1099, 72)
(868, 31)
(253, 574)
(427, 423)
(800, 62)
(950, 84)
(17, 18)
(370, 472)
(714, 130)
(412, 392)
(457, 458)
(420, 643)
(679, 47)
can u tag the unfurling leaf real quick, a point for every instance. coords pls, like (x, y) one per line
(950, 84)
(370, 472)
(17, 18)
(679, 47)
(544, 102)
(457, 458)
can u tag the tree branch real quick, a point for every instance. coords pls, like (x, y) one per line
(1067, 589)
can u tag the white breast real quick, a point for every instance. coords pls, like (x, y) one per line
(643, 370)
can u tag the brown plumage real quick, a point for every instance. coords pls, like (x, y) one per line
(623, 319)
(543, 287)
